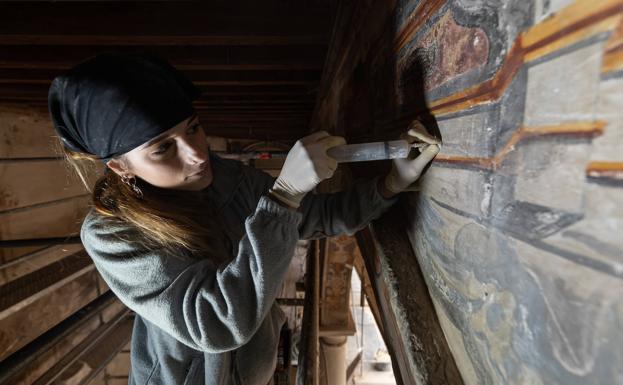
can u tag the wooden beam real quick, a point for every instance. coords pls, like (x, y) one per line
(30, 362)
(37, 93)
(258, 90)
(293, 117)
(389, 324)
(260, 134)
(413, 333)
(255, 99)
(25, 132)
(308, 364)
(53, 219)
(256, 108)
(30, 182)
(236, 58)
(40, 242)
(97, 350)
(11, 253)
(161, 23)
(34, 303)
(28, 263)
(199, 77)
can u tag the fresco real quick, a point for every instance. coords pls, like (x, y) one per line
(517, 229)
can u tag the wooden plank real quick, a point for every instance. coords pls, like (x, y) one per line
(101, 379)
(102, 286)
(10, 253)
(259, 133)
(39, 93)
(117, 381)
(234, 58)
(283, 118)
(337, 266)
(205, 77)
(119, 365)
(257, 90)
(21, 292)
(255, 107)
(368, 290)
(389, 324)
(113, 310)
(47, 359)
(39, 356)
(31, 182)
(91, 356)
(17, 328)
(55, 219)
(413, 333)
(33, 261)
(308, 364)
(25, 133)
(160, 40)
(161, 23)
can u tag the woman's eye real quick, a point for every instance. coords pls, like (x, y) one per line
(193, 129)
(162, 148)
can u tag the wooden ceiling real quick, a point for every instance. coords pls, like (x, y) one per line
(259, 67)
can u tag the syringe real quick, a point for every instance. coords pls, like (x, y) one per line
(373, 151)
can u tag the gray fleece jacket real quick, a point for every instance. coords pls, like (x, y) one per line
(198, 323)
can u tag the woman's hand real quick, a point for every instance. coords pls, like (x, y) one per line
(306, 165)
(405, 172)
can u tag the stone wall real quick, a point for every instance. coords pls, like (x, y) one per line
(517, 228)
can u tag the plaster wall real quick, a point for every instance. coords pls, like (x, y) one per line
(517, 229)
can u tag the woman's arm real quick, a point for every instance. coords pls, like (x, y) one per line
(344, 212)
(327, 215)
(207, 308)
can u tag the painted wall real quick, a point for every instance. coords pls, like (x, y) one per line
(518, 227)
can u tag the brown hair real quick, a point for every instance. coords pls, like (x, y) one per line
(164, 218)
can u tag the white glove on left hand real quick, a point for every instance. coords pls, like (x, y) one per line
(306, 165)
(405, 172)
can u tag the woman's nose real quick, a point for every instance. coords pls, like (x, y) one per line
(195, 152)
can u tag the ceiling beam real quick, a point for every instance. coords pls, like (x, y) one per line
(236, 58)
(216, 77)
(162, 23)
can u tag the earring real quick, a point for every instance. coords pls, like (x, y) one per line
(131, 182)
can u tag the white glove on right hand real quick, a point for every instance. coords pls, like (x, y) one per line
(405, 172)
(306, 165)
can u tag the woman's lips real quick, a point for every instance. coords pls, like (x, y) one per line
(198, 172)
(201, 171)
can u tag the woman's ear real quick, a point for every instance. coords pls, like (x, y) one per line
(119, 166)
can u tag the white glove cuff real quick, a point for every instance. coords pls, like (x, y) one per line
(290, 200)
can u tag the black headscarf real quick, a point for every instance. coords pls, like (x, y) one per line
(112, 103)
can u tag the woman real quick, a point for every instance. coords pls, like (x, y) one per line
(196, 245)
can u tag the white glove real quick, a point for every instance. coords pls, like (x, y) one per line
(306, 165)
(405, 172)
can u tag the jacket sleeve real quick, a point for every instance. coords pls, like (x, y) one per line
(208, 308)
(344, 212)
(328, 215)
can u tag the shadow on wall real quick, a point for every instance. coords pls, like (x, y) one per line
(371, 110)
(376, 105)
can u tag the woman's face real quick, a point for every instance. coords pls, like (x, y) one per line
(178, 158)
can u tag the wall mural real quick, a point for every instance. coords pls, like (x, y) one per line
(517, 228)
